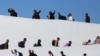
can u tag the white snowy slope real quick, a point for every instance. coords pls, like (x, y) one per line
(17, 28)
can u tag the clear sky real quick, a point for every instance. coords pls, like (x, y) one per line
(78, 8)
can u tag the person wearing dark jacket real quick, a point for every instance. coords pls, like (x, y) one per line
(61, 17)
(31, 53)
(36, 14)
(38, 44)
(87, 18)
(12, 12)
(21, 44)
(51, 15)
(5, 45)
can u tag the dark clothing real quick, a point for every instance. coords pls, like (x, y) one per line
(21, 44)
(12, 12)
(20, 54)
(36, 15)
(32, 54)
(87, 19)
(4, 46)
(61, 17)
(51, 14)
(37, 45)
(53, 42)
(69, 44)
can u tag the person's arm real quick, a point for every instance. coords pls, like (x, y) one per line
(54, 12)
(39, 11)
(12, 52)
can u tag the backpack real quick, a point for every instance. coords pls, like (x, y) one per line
(20, 54)
(53, 42)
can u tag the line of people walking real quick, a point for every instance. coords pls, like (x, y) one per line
(36, 15)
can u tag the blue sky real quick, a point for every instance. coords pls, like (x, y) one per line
(78, 8)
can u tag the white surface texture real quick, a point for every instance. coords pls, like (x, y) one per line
(16, 28)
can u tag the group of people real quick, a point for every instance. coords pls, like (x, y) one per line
(18, 53)
(89, 42)
(32, 53)
(36, 15)
(54, 43)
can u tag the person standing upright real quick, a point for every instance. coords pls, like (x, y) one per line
(87, 18)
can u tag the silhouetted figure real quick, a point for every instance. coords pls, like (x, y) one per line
(38, 43)
(21, 44)
(61, 17)
(5, 45)
(84, 54)
(70, 17)
(16, 53)
(68, 44)
(31, 53)
(56, 42)
(97, 41)
(62, 54)
(12, 12)
(50, 53)
(87, 18)
(87, 42)
(51, 15)
(36, 14)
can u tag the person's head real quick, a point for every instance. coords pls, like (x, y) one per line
(24, 39)
(98, 37)
(7, 41)
(11, 10)
(58, 38)
(89, 41)
(86, 14)
(69, 14)
(61, 52)
(70, 42)
(50, 12)
(35, 11)
(84, 54)
(49, 52)
(39, 40)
